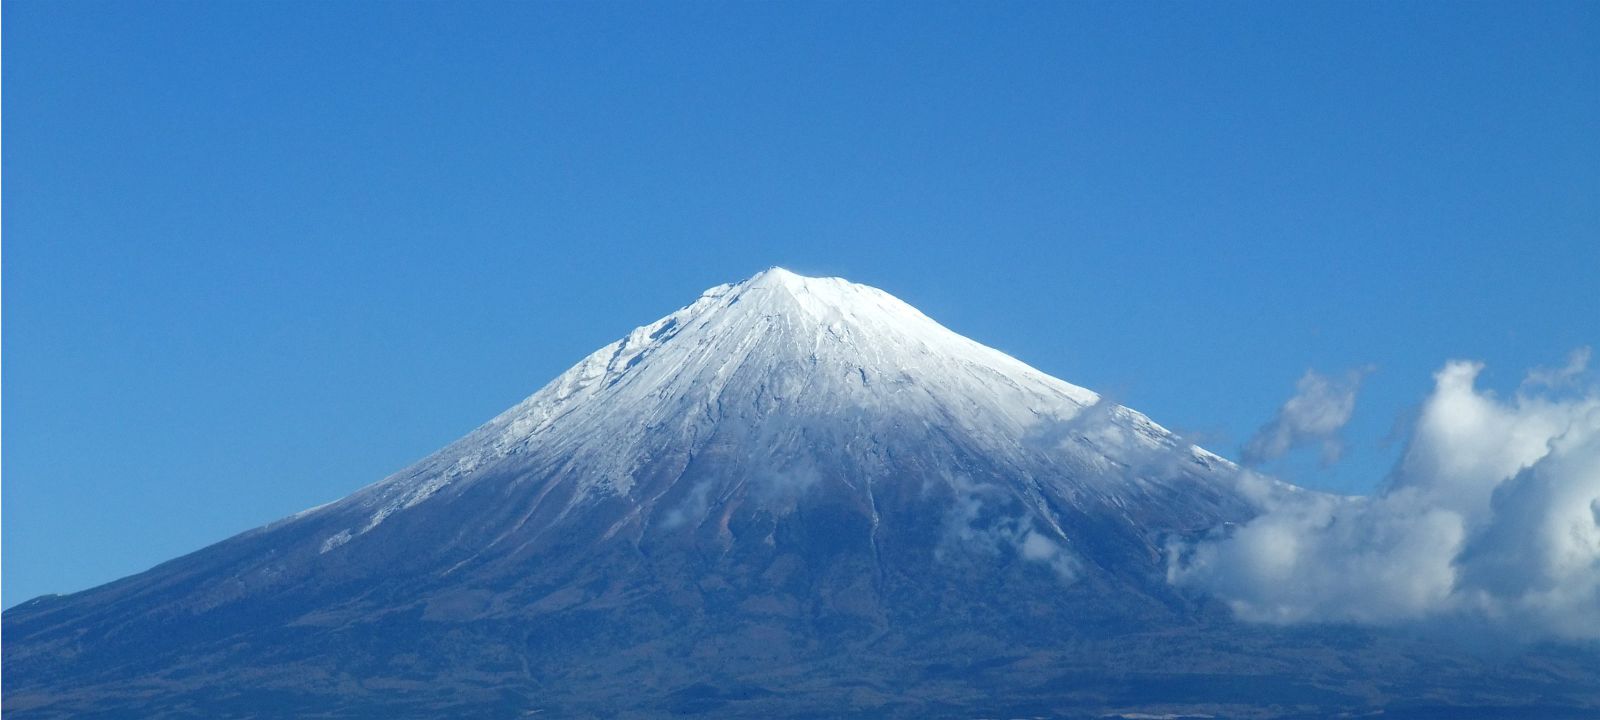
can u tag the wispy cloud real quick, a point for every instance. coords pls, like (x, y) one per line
(1577, 365)
(984, 520)
(1319, 409)
(1492, 516)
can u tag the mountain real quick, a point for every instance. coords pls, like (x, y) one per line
(795, 497)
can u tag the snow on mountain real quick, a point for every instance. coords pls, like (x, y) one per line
(797, 360)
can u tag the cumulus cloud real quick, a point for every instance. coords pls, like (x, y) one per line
(1320, 408)
(1492, 516)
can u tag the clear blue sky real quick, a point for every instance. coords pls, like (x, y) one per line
(259, 255)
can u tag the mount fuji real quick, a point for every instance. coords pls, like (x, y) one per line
(794, 497)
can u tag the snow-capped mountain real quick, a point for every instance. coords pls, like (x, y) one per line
(792, 371)
(794, 496)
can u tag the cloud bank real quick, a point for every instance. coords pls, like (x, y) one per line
(1492, 517)
(1321, 406)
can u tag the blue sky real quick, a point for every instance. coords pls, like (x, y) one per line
(259, 255)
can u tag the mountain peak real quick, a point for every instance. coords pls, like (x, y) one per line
(780, 360)
(777, 275)
(778, 291)
(781, 278)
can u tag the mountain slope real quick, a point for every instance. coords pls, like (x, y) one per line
(793, 496)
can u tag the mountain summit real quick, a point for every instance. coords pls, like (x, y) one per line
(793, 497)
(785, 373)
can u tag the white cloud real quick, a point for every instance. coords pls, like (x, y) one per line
(983, 521)
(1492, 516)
(693, 508)
(1321, 406)
(1577, 365)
